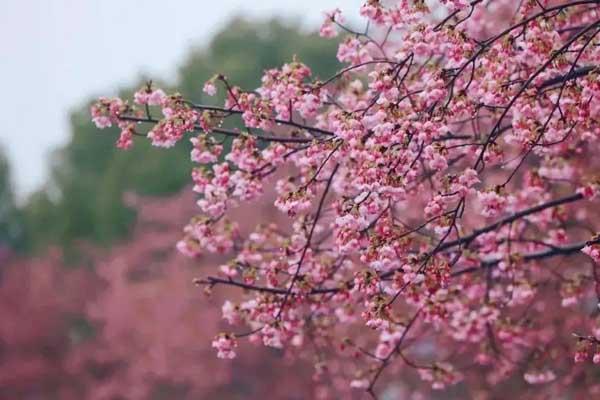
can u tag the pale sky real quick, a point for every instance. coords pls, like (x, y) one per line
(56, 53)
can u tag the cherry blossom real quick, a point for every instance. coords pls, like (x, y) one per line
(225, 345)
(437, 197)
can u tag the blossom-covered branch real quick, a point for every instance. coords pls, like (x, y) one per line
(431, 192)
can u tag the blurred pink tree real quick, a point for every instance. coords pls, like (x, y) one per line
(41, 305)
(135, 328)
(154, 326)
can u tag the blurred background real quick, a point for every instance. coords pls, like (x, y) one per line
(95, 303)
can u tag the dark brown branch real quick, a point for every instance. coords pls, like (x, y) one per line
(511, 218)
(308, 240)
(539, 255)
(494, 132)
(577, 73)
(212, 281)
(226, 132)
(276, 120)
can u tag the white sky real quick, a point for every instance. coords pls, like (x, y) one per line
(56, 53)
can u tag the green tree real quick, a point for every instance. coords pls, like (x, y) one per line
(10, 226)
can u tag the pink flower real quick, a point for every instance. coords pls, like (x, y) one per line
(352, 51)
(179, 119)
(272, 337)
(141, 96)
(436, 160)
(126, 138)
(225, 345)
(359, 383)
(106, 112)
(539, 377)
(568, 301)
(580, 357)
(102, 122)
(188, 248)
(230, 312)
(440, 375)
(156, 98)
(593, 251)
(228, 270)
(456, 4)
(308, 105)
(493, 204)
(327, 29)
(210, 88)
(588, 191)
(469, 178)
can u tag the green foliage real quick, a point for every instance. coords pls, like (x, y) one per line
(84, 200)
(10, 226)
(244, 49)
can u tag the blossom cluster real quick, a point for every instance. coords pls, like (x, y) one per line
(431, 193)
